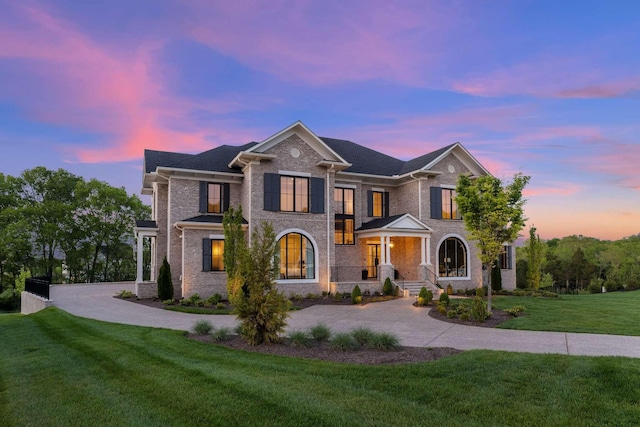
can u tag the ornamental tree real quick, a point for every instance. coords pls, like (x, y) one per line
(493, 214)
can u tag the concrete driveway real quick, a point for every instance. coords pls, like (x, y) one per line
(411, 325)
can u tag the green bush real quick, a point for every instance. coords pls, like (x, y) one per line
(213, 299)
(362, 335)
(344, 342)
(452, 314)
(515, 310)
(465, 316)
(449, 289)
(167, 302)
(384, 341)
(356, 295)
(595, 285)
(496, 278)
(337, 296)
(479, 311)
(299, 339)
(221, 306)
(425, 296)
(442, 307)
(320, 332)
(165, 284)
(125, 294)
(387, 288)
(480, 292)
(444, 297)
(9, 300)
(195, 300)
(202, 327)
(220, 334)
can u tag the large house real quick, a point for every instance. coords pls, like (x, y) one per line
(343, 214)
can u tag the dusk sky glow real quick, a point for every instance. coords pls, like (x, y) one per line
(547, 88)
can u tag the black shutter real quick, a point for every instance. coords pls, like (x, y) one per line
(369, 203)
(317, 195)
(386, 204)
(436, 202)
(203, 196)
(271, 192)
(226, 192)
(206, 254)
(509, 257)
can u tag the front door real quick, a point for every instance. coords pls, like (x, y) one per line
(373, 259)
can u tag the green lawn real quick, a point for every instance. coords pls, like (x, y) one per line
(611, 313)
(57, 369)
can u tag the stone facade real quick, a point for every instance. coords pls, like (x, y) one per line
(298, 152)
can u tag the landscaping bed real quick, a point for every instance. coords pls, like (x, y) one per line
(323, 351)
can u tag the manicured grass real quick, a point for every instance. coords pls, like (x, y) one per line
(57, 369)
(611, 313)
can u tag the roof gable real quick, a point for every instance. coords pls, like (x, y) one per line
(403, 222)
(459, 152)
(313, 141)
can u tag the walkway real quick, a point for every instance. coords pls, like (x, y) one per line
(411, 325)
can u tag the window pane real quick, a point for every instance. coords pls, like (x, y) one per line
(348, 201)
(214, 201)
(446, 203)
(348, 232)
(377, 204)
(286, 193)
(452, 258)
(302, 195)
(337, 198)
(339, 232)
(217, 255)
(296, 257)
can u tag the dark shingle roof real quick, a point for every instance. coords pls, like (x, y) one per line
(143, 223)
(153, 159)
(422, 161)
(214, 160)
(379, 223)
(209, 219)
(363, 159)
(366, 160)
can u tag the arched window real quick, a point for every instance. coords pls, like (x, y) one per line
(297, 259)
(452, 258)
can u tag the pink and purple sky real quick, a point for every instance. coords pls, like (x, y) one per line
(547, 88)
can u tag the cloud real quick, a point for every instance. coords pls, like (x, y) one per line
(113, 91)
(550, 76)
(329, 42)
(554, 189)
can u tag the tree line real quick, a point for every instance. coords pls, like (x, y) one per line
(579, 263)
(54, 223)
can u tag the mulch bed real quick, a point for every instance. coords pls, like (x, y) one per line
(364, 356)
(323, 351)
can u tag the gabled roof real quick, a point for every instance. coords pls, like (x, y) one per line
(153, 159)
(258, 151)
(399, 225)
(424, 160)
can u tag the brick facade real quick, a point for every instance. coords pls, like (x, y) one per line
(337, 267)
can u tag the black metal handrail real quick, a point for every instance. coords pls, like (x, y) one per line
(38, 286)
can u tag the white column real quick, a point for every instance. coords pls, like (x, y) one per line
(422, 250)
(429, 249)
(139, 261)
(152, 271)
(382, 250)
(388, 248)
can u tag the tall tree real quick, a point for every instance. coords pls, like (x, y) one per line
(534, 262)
(493, 214)
(234, 241)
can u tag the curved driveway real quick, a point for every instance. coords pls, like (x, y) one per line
(411, 325)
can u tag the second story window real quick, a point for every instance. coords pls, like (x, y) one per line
(377, 204)
(214, 197)
(344, 217)
(294, 194)
(449, 205)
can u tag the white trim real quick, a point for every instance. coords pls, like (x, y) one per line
(316, 256)
(448, 186)
(292, 173)
(378, 190)
(216, 236)
(351, 186)
(468, 260)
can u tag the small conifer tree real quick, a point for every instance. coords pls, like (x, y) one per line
(165, 285)
(356, 295)
(387, 288)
